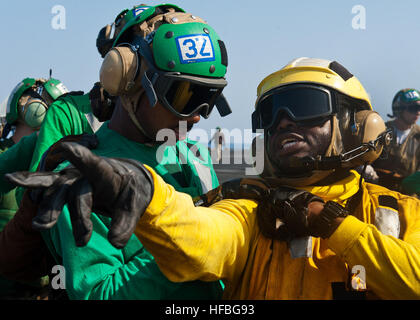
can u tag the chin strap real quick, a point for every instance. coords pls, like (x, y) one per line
(137, 124)
(131, 113)
(343, 160)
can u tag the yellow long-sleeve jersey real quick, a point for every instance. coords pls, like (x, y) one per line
(381, 238)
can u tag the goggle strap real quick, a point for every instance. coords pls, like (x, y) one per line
(137, 124)
(143, 50)
(150, 91)
(256, 124)
(222, 105)
(353, 125)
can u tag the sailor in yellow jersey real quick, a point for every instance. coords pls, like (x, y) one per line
(314, 224)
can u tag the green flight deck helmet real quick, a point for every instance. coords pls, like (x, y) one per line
(173, 57)
(108, 34)
(30, 99)
(405, 99)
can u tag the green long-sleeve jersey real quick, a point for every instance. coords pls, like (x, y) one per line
(100, 271)
(8, 205)
(16, 158)
(68, 115)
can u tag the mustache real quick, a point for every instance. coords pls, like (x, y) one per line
(288, 132)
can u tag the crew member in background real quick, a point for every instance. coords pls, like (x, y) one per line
(402, 157)
(27, 106)
(219, 142)
(71, 114)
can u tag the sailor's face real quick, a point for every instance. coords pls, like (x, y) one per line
(289, 139)
(154, 119)
(410, 117)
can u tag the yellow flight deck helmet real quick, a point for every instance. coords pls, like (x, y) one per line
(310, 91)
(324, 72)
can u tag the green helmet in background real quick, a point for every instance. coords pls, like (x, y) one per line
(30, 99)
(405, 99)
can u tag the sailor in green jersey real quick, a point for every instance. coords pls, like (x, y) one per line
(79, 113)
(74, 114)
(101, 271)
(180, 92)
(16, 158)
(27, 106)
(69, 113)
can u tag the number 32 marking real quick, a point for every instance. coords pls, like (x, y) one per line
(195, 48)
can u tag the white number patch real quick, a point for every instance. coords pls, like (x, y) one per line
(412, 94)
(139, 10)
(195, 48)
(62, 88)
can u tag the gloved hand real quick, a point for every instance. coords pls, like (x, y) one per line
(118, 188)
(283, 215)
(54, 154)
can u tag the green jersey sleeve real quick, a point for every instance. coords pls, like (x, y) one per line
(16, 158)
(100, 271)
(66, 116)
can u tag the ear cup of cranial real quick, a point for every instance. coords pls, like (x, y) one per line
(32, 109)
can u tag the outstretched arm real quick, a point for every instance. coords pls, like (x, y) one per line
(191, 242)
(208, 243)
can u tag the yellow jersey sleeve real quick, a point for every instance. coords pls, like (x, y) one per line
(191, 243)
(392, 265)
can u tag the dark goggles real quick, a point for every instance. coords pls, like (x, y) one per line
(301, 102)
(186, 95)
(414, 108)
(410, 107)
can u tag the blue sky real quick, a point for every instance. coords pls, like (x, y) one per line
(260, 36)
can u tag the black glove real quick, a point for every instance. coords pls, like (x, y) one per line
(118, 188)
(53, 156)
(102, 103)
(282, 215)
